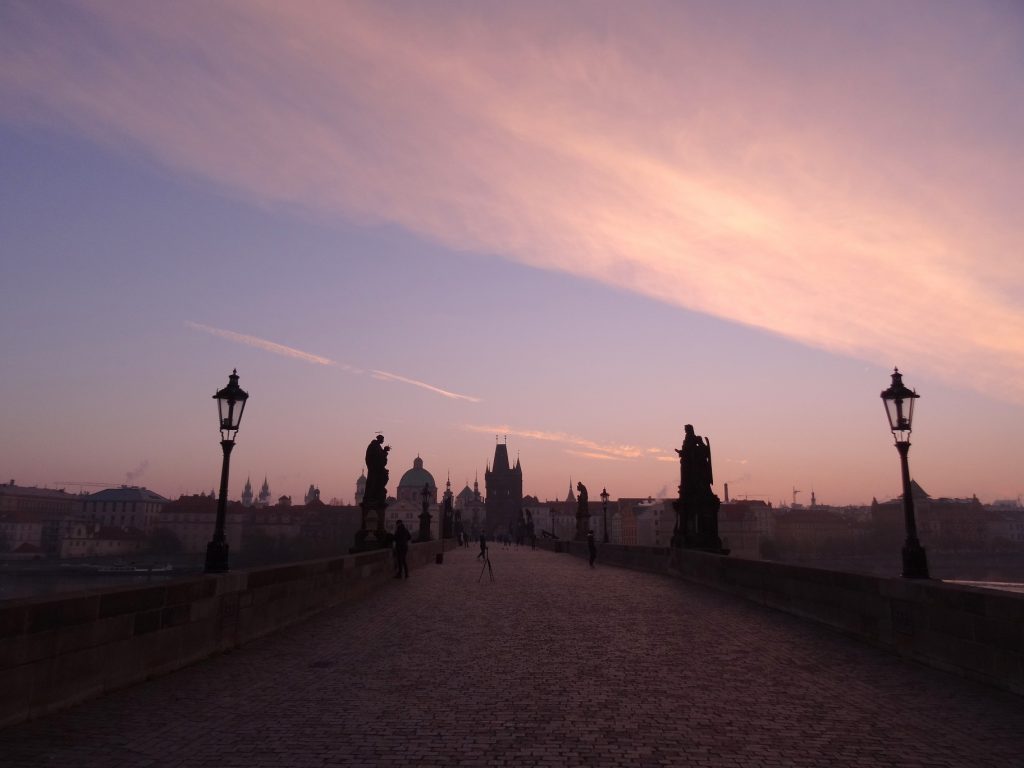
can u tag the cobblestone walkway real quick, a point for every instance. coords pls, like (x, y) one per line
(551, 664)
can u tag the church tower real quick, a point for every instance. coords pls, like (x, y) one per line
(247, 494)
(504, 487)
(264, 498)
(360, 488)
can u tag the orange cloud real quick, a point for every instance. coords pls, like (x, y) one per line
(851, 205)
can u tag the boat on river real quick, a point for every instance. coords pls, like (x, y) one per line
(127, 569)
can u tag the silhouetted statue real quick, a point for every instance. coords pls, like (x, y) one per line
(695, 476)
(371, 534)
(582, 512)
(697, 507)
(376, 492)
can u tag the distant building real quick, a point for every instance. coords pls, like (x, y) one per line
(263, 500)
(945, 524)
(192, 520)
(473, 509)
(821, 530)
(360, 488)
(247, 496)
(655, 522)
(312, 496)
(127, 507)
(408, 504)
(743, 525)
(31, 518)
(88, 539)
(504, 484)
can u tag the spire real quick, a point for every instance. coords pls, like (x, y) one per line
(500, 458)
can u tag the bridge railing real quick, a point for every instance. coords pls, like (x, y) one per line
(59, 650)
(974, 632)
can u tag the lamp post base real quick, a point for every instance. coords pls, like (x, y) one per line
(915, 561)
(217, 557)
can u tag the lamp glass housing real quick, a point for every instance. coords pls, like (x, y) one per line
(899, 407)
(230, 405)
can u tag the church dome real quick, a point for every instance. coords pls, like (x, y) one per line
(417, 477)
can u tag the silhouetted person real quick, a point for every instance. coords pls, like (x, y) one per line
(483, 547)
(402, 537)
(592, 547)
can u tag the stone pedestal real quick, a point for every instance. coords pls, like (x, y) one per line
(372, 534)
(697, 523)
(582, 526)
(424, 534)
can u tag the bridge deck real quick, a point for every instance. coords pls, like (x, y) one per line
(551, 664)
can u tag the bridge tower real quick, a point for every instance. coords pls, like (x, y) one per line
(504, 488)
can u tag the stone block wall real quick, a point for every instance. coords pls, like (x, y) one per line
(56, 651)
(974, 632)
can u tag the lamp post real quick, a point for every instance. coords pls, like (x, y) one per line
(899, 408)
(425, 515)
(604, 504)
(230, 404)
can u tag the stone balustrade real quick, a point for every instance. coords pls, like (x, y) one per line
(974, 632)
(62, 649)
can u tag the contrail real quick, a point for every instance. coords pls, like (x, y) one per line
(590, 447)
(268, 346)
(309, 357)
(384, 375)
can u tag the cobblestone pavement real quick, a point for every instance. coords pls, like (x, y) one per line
(551, 664)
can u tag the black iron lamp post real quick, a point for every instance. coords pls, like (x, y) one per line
(899, 407)
(604, 504)
(230, 404)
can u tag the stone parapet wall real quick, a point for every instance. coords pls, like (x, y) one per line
(974, 632)
(58, 650)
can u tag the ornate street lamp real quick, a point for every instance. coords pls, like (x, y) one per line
(899, 407)
(230, 404)
(604, 503)
(425, 515)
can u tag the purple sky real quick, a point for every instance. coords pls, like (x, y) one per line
(582, 226)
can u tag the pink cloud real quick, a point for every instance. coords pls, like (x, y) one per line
(854, 205)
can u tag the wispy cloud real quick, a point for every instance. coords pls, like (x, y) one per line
(674, 153)
(267, 346)
(309, 357)
(385, 376)
(581, 446)
(592, 455)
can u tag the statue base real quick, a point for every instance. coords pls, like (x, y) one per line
(424, 534)
(697, 524)
(372, 535)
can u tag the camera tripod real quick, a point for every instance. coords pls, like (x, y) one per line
(486, 567)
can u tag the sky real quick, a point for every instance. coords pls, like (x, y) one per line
(574, 227)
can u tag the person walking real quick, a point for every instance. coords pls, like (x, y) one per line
(483, 548)
(592, 547)
(402, 537)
